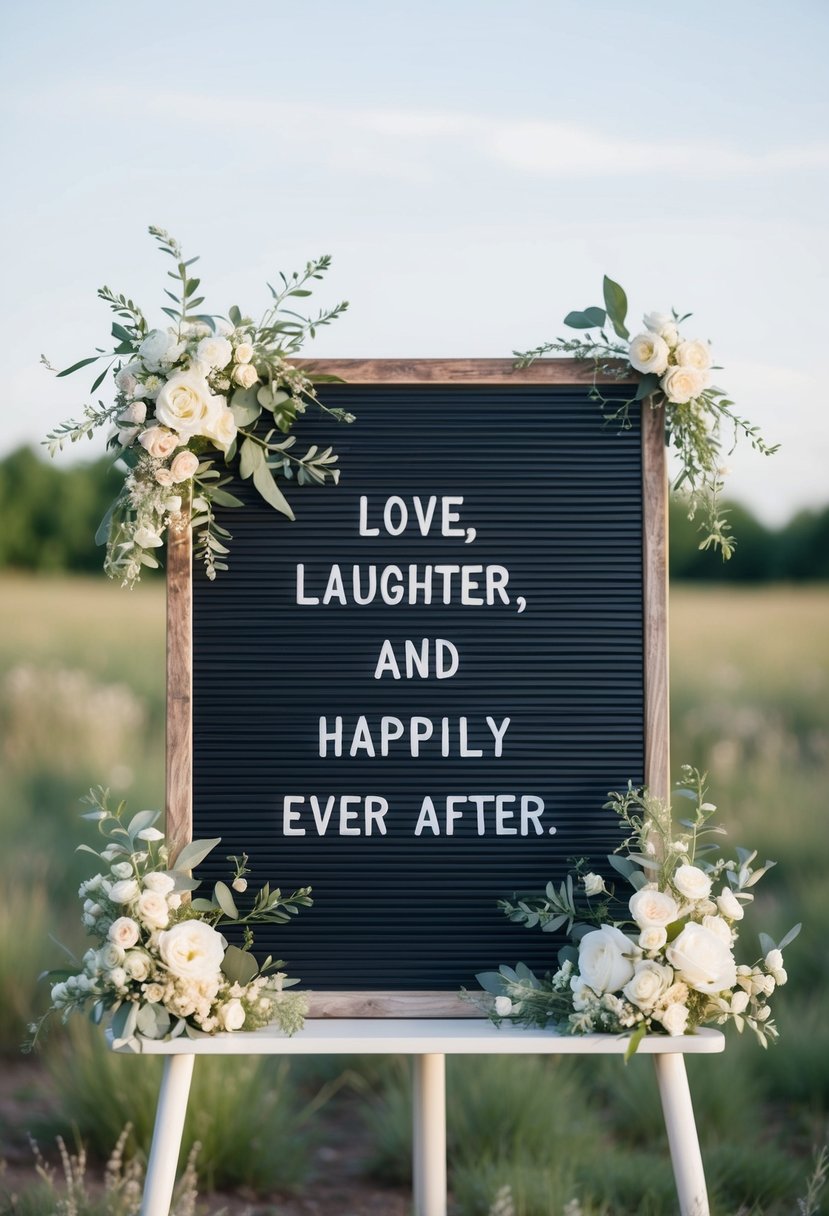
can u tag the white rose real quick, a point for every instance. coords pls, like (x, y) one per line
(192, 950)
(240, 884)
(683, 384)
(172, 503)
(651, 908)
(126, 380)
(729, 906)
(653, 938)
(503, 1006)
(674, 1019)
(647, 984)
(154, 993)
(186, 404)
(123, 932)
(718, 926)
(121, 869)
(648, 353)
(164, 477)
(602, 962)
(117, 977)
(215, 351)
(133, 414)
(125, 890)
(593, 884)
(245, 375)
(670, 333)
(694, 354)
(162, 883)
(152, 908)
(137, 965)
(184, 466)
(154, 348)
(657, 321)
(110, 955)
(243, 352)
(692, 882)
(146, 538)
(160, 442)
(702, 960)
(223, 431)
(232, 1015)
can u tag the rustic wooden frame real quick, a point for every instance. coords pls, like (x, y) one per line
(179, 789)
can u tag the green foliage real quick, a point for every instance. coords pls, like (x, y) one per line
(49, 514)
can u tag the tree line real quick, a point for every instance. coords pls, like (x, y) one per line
(50, 514)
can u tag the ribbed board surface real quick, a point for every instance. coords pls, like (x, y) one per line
(555, 496)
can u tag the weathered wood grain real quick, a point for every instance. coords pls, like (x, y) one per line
(463, 371)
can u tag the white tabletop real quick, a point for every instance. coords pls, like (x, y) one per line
(424, 1036)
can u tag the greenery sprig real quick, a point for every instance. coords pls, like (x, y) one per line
(674, 373)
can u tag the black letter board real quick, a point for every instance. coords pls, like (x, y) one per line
(523, 604)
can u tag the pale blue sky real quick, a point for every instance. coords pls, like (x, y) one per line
(474, 168)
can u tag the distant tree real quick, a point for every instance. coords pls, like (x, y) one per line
(50, 514)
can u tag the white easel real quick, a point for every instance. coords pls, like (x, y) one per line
(428, 1041)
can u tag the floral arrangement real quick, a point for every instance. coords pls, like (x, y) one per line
(675, 372)
(660, 961)
(159, 965)
(200, 399)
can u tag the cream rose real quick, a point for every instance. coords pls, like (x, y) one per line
(651, 908)
(164, 477)
(159, 442)
(215, 351)
(184, 466)
(186, 404)
(683, 384)
(123, 891)
(649, 981)
(653, 938)
(603, 964)
(243, 352)
(232, 1015)
(133, 414)
(702, 960)
(137, 965)
(692, 882)
(192, 950)
(657, 321)
(152, 909)
(719, 927)
(223, 431)
(154, 993)
(245, 375)
(674, 1019)
(503, 1006)
(123, 932)
(694, 354)
(110, 955)
(593, 884)
(729, 905)
(162, 883)
(155, 348)
(126, 379)
(648, 353)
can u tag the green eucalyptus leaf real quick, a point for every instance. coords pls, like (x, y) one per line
(616, 303)
(245, 406)
(591, 318)
(194, 853)
(251, 458)
(239, 966)
(223, 897)
(270, 491)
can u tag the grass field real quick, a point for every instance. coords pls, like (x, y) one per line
(81, 698)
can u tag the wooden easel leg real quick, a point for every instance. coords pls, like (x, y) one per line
(169, 1127)
(682, 1134)
(429, 1140)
